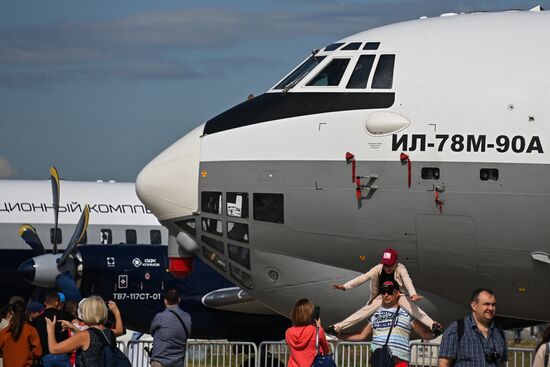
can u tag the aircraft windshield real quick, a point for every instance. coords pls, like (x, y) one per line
(297, 75)
(331, 74)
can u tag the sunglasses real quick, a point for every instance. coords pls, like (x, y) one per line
(387, 291)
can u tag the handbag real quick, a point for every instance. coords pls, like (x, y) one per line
(382, 357)
(322, 360)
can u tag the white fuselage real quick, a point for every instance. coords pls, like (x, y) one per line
(475, 74)
(113, 206)
(469, 95)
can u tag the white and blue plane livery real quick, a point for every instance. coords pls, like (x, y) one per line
(122, 255)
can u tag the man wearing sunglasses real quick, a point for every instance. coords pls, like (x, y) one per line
(389, 269)
(380, 327)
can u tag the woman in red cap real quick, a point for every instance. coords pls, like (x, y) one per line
(392, 270)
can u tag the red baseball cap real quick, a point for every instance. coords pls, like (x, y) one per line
(389, 256)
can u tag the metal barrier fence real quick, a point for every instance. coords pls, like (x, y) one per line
(201, 353)
(424, 354)
(137, 352)
(276, 354)
(273, 354)
(221, 354)
(520, 357)
(352, 354)
(122, 347)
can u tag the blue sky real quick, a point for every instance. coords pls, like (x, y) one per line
(98, 88)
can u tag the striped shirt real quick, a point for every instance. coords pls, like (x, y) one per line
(398, 343)
(473, 346)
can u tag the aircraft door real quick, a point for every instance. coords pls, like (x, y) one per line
(446, 247)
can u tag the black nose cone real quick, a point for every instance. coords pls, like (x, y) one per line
(28, 270)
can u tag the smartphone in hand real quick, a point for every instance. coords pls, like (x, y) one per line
(316, 314)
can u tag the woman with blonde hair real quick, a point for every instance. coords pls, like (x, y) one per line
(301, 336)
(88, 343)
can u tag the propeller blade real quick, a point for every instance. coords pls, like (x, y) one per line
(54, 178)
(29, 235)
(67, 285)
(77, 235)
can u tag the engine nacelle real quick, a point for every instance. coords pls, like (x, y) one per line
(42, 270)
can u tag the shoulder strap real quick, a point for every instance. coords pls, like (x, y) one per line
(103, 338)
(501, 332)
(392, 324)
(317, 339)
(459, 330)
(546, 355)
(459, 335)
(182, 323)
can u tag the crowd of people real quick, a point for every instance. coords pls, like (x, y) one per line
(56, 333)
(51, 334)
(472, 341)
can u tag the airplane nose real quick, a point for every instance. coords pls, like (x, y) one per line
(28, 270)
(168, 185)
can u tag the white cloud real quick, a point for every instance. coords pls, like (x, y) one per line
(6, 169)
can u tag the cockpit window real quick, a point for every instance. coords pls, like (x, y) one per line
(333, 47)
(352, 46)
(301, 71)
(371, 46)
(383, 76)
(331, 74)
(360, 76)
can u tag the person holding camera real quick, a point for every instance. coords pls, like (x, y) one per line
(301, 336)
(475, 340)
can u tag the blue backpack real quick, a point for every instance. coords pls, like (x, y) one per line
(112, 356)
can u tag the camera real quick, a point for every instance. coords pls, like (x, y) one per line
(492, 357)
